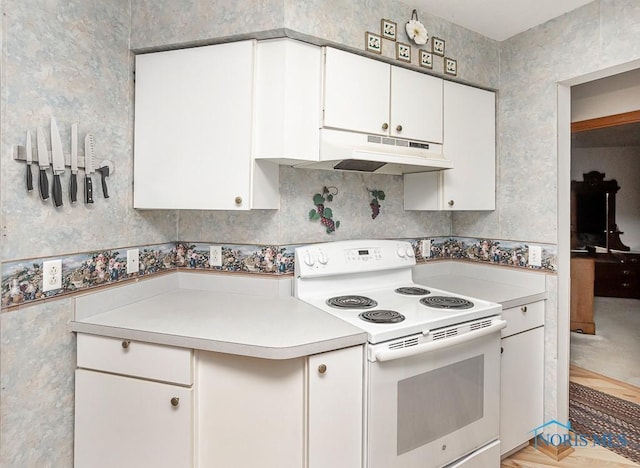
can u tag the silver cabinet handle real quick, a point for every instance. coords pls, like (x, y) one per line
(399, 128)
(125, 344)
(238, 200)
(175, 401)
(451, 202)
(322, 368)
(385, 126)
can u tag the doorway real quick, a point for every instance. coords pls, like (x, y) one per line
(564, 230)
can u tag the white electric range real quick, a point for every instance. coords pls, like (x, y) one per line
(433, 370)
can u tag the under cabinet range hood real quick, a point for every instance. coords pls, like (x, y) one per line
(349, 151)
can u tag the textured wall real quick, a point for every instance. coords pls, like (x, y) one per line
(70, 61)
(597, 36)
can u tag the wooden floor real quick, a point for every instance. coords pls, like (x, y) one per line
(583, 457)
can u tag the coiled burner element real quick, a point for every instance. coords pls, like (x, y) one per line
(413, 291)
(351, 302)
(381, 316)
(446, 302)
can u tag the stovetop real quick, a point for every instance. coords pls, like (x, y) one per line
(362, 281)
(417, 317)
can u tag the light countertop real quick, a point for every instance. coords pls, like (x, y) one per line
(264, 326)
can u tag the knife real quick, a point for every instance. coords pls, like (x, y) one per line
(104, 173)
(43, 163)
(73, 181)
(57, 161)
(29, 158)
(88, 168)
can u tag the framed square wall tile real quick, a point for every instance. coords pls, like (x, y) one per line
(450, 66)
(438, 46)
(426, 59)
(403, 52)
(388, 29)
(372, 42)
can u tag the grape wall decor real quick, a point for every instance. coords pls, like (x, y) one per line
(377, 195)
(323, 213)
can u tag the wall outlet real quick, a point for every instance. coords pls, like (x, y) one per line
(133, 261)
(215, 256)
(425, 248)
(51, 275)
(535, 255)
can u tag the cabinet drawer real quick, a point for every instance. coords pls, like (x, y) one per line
(523, 318)
(144, 360)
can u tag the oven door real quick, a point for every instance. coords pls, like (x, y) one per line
(433, 404)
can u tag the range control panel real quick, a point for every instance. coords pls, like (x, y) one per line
(343, 257)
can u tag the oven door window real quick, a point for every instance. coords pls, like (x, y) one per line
(439, 402)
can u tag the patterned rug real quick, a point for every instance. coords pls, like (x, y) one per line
(610, 421)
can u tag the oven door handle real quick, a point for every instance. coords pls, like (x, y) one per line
(392, 354)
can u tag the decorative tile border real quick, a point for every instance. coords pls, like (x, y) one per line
(22, 279)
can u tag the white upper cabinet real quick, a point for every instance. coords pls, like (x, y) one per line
(416, 106)
(193, 131)
(369, 96)
(356, 93)
(288, 91)
(469, 142)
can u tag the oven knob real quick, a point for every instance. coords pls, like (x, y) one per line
(401, 252)
(308, 258)
(323, 258)
(410, 252)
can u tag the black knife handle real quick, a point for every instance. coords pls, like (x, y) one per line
(57, 190)
(88, 190)
(104, 173)
(43, 184)
(29, 178)
(73, 188)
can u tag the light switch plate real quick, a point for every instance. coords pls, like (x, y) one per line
(133, 261)
(51, 275)
(215, 256)
(535, 255)
(425, 248)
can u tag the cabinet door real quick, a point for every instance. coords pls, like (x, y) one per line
(522, 387)
(416, 106)
(469, 141)
(193, 111)
(250, 411)
(356, 93)
(335, 409)
(127, 422)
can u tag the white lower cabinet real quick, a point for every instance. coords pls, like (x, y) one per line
(335, 409)
(223, 411)
(522, 375)
(133, 404)
(128, 422)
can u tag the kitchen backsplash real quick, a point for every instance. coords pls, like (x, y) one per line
(22, 279)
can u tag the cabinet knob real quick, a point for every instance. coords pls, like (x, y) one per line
(385, 126)
(238, 200)
(523, 308)
(626, 272)
(399, 128)
(451, 203)
(322, 368)
(625, 285)
(501, 350)
(125, 344)
(175, 401)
